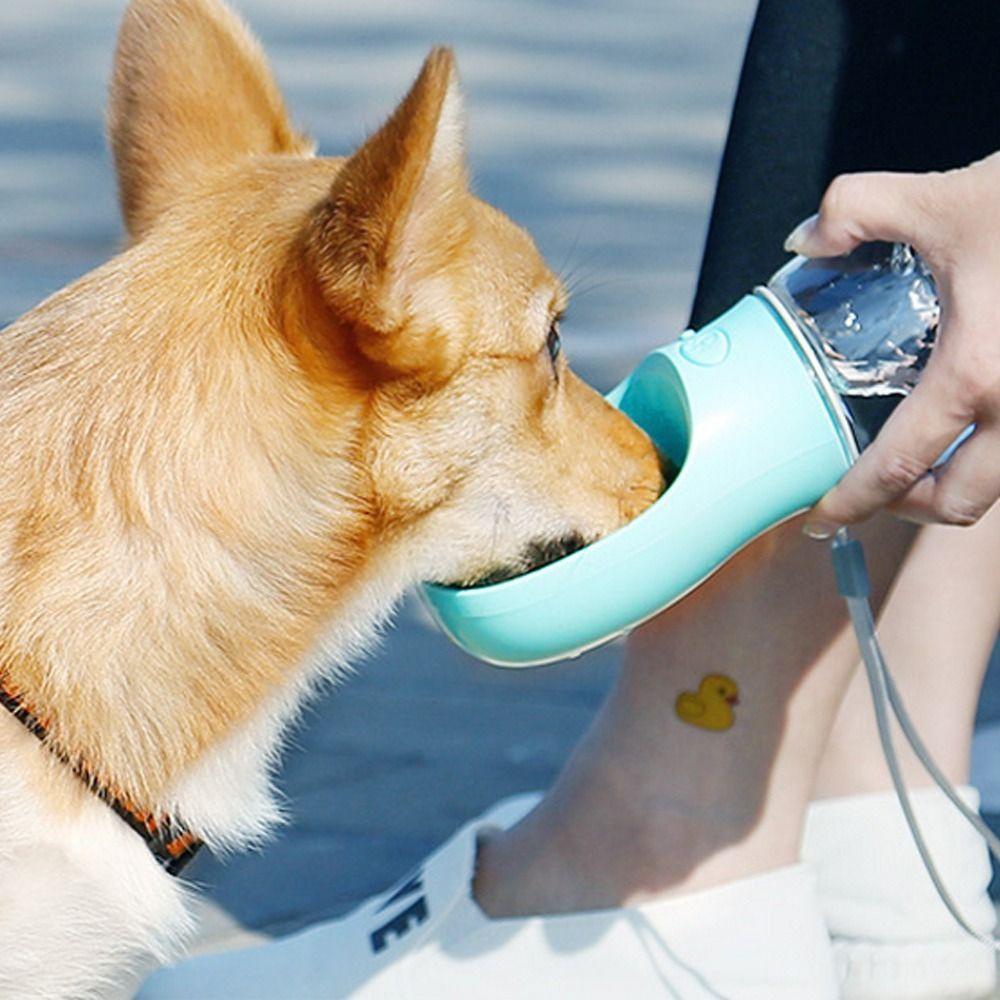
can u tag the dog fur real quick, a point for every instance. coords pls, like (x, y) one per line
(304, 385)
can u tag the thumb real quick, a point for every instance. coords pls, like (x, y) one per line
(861, 208)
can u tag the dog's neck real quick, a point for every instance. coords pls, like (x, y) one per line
(195, 542)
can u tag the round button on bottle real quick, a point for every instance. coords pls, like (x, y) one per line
(710, 347)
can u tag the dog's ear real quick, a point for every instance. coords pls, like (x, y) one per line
(387, 241)
(191, 91)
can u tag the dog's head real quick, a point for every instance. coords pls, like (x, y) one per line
(424, 322)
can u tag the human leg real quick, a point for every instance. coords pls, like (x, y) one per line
(893, 937)
(651, 804)
(938, 627)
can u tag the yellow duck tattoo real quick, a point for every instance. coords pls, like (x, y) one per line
(712, 706)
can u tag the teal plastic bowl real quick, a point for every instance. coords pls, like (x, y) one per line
(739, 409)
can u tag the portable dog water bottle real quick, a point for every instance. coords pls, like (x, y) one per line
(761, 412)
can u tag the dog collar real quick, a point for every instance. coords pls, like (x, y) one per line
(170, 843)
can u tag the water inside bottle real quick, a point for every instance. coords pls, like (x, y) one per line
(873, 315)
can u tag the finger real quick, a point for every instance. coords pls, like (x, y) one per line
(962, 491)
(860, 208)
(911, 441)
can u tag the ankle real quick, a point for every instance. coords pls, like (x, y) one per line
(571, 856)
(846, 772)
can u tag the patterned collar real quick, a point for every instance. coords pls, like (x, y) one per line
(171, 844)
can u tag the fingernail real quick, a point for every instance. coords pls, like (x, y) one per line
(799, 236)
(821, 531)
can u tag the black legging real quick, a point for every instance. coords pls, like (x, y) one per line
(833, 86)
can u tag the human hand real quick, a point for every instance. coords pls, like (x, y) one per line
(953, 220)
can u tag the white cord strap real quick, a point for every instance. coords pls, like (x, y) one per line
(853, 584)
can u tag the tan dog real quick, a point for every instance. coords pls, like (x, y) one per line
(305, 385)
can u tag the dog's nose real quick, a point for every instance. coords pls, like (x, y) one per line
(648, 481)
(644, 473)
(642, 494)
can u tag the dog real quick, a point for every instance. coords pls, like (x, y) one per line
(304, 385)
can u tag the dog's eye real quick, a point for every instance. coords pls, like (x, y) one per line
(553, 343)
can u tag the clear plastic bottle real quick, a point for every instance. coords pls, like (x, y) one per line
(871, 318)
